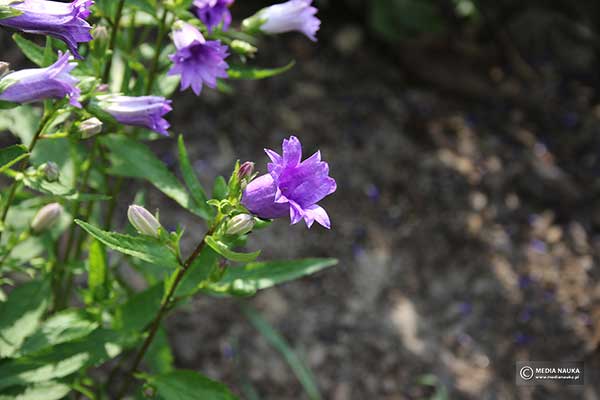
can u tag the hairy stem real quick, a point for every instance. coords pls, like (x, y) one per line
(155, 324)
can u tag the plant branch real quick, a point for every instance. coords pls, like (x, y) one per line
(164, 308)
(157, 46)
(113, 40)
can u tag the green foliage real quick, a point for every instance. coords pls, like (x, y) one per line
(11, 155)
(302, 372)
(31, 50)
(244, 72)
(224, 250)
(191, 180)
(188, 385)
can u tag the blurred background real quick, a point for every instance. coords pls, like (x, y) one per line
(465, 139)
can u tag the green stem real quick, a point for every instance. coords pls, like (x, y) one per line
(13, 188)
(155, 324)
(113, 40)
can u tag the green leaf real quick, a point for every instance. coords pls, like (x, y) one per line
(139, 310)
(8, 12)
(60, 328)
(21, 121)
(133, 159)
(143, 247)
(188, 385)
(224, 250)
(97, 276)
(20, 315)
(219, 188)
(58, 188)
(190, 179)
(263, 275)
(47, 391)
(31, 50)
(63, 359)
(159, 356)
(11, 155)
(243, 72)
(304, 375)
(198, 272)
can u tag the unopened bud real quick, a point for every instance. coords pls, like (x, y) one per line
(100, 33)
(51, 171)
(240, 224)
(4, 67)
(143, 221)
(241, 47)
(46, 217)
(90, 127)
(246, 170)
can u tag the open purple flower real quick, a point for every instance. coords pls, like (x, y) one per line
(37, 84)
(197, 61)
(292, 187)
(293, 15)
(213, 12)
(65, 21)
(144, 111)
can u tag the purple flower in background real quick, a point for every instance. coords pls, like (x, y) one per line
(144, 111)
(212, 12)
(293, 15)
(36, 84)
(197, 61)
(65, 21)
(292, 187)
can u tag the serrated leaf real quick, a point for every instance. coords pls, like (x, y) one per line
(11, 155)
(60, 328)
(263, 275)
(226, 252)
(135, 160)
(190, 179)
(46, 390)
(139, 309)
(188, 385)
(20, 315)
(31, 50)
(143, 247)
(63, 359)
(243, 72)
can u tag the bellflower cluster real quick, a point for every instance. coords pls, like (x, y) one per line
(292, 187)
(64, 21)
(293, 15)
(143, 111)
(213, 12)
(197, 60)
(37, 84)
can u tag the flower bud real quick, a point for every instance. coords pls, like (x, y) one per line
(51, 171)
(246, 170)
(90, 127)
(4, 67)
(100, 33)
(244, 48)
(240, 224)
(46, 217)
(144, 222)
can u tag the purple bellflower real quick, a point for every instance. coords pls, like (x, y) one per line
(197, 60)
(293, 15)
(292, 187)
(64, 21)
(36, 84)
(144, 111)
(213, 12)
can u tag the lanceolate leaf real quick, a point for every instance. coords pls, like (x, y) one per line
(224, 250)
(47, 391)
(143, 247)
(20, 315)
(31, 50)
(133, 159)
(241, 72)
(188, 385)
(11, 155)
(262, 275)
(190, 179)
